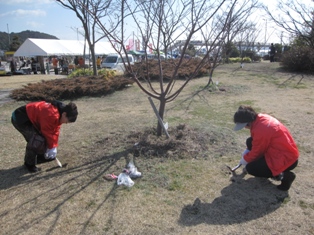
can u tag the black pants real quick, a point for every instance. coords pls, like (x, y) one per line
(27, 130)
(272, 58)
(259, 168)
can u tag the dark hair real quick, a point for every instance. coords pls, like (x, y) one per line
(244, 114)
(71, 111)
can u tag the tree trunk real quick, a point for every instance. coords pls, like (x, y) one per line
(92, 51)
(161, 112)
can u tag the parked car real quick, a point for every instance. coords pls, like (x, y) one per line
(155, 57)
(3, 71)
(114, 61)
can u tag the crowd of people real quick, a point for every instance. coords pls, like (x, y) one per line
(39, 64)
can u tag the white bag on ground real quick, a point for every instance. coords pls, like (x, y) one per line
(133, 173)
(124, 179)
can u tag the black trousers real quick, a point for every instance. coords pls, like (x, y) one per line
(259, 168)
(27, 130)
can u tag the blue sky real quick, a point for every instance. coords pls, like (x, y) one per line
(44, 16)
(47, 16)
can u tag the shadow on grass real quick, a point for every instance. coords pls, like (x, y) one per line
(241, 201)
(13, 177)
(70, 182)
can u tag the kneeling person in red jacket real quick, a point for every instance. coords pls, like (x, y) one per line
(46, 119)
(271, 151)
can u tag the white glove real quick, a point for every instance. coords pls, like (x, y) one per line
(51, 154)
(243, 162)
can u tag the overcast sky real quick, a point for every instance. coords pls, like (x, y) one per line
(47, 16)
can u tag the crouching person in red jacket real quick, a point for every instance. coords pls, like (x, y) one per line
(271, 151)
(45, 119)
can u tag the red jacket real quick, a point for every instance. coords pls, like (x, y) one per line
(274, 141)
(45, 117)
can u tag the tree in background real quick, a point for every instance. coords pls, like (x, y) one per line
(240, 29)
(86, 11)
(296, 18)
(15, 44)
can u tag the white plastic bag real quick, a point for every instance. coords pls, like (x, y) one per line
(133, 173)
(124, 179)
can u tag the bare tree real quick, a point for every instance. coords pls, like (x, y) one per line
(161, 24)
(239, 24)
(296, 18)
(87, 11)
(247, 39)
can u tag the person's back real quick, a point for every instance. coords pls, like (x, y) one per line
(12, 66)
(81, 62)
(34, 65)
(98, 62)
(55, 62)
(76, 60)
(55, 65)
(272, 52)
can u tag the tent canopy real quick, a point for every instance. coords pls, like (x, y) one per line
(48, 47)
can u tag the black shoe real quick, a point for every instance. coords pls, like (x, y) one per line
(31, 168)
(41, 159)
(288, 178)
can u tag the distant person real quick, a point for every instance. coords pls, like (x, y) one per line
(272, 52)
(271, 151)
(98, 62)
(61, 62)
(23, 63)
(76, 61)
(81, 62)
(34, 65)
(65, 66)
(45, 119)
(55, 64)
(13, 66)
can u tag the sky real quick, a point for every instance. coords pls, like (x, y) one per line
(49, 17)
(45, 16)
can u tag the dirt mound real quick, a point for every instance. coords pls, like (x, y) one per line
(184, 142)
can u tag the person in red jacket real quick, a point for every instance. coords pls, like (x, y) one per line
(271, 151)
(46, 119)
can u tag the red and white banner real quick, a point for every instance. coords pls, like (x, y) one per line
(131, 44)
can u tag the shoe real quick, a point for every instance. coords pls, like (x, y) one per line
(41, 159)
(278, 177)
(31, 168)
(288, 178)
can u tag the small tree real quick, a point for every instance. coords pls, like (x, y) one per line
(161, 23)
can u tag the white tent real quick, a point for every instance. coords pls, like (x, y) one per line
(48, 47)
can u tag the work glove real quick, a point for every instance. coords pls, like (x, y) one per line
(242, 161)
(51, 154)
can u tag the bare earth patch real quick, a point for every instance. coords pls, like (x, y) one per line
(186, 187)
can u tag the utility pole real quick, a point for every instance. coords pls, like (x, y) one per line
(9, 35)
(265, 34)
